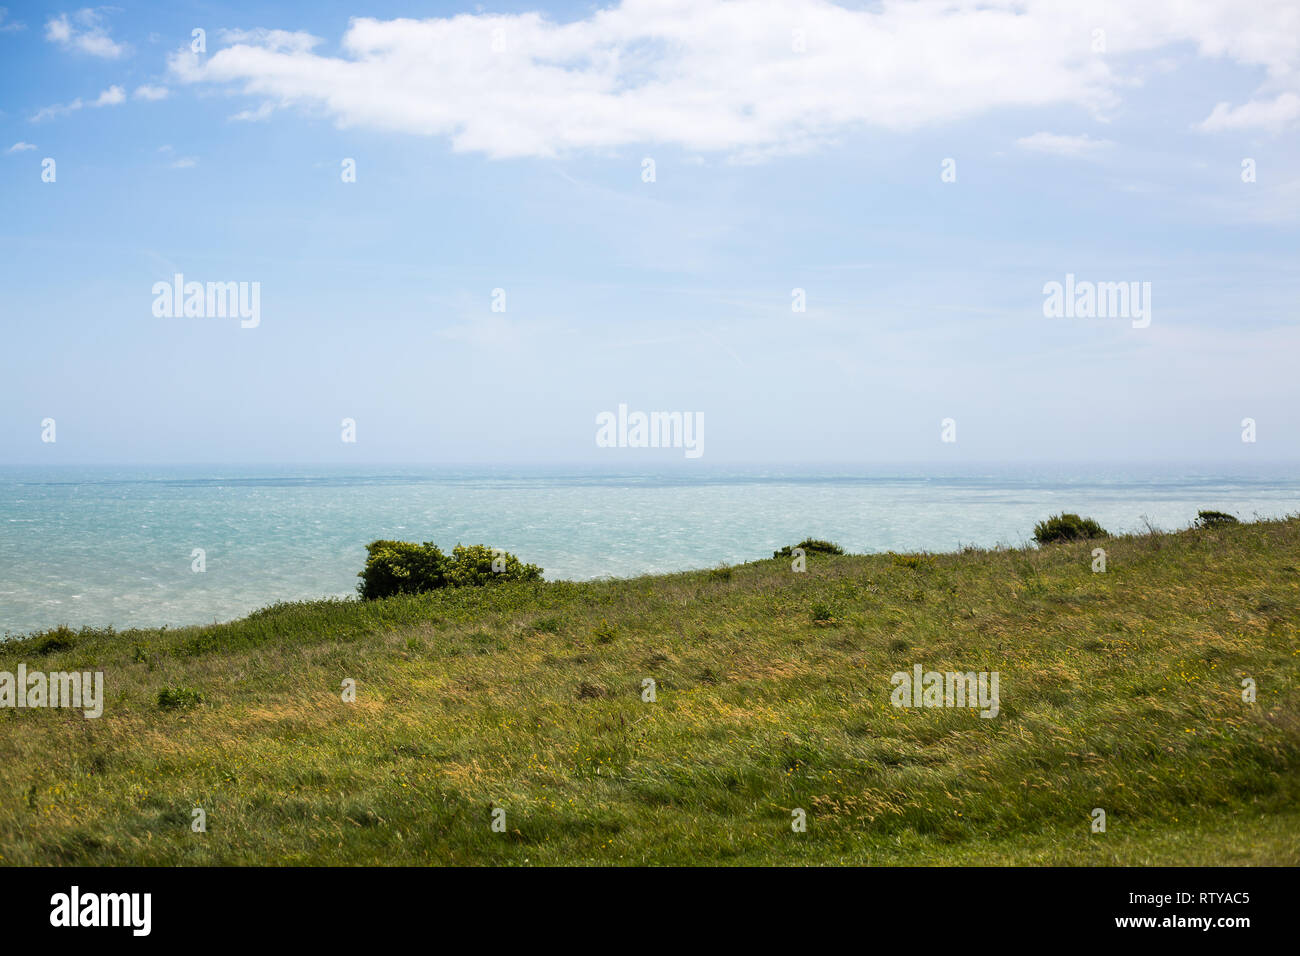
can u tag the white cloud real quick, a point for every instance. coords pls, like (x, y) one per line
(254, 116)
(59, 109)
(7, 25)
(113, 96)
(147, 92)
(284, 41)
(185, 162)
(1058, 145)
(83, 31)
(1270, 115)
(710, 75)
(20, 147)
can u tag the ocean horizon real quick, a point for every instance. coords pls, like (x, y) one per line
(118, 545)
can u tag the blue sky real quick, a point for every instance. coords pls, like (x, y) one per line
(795, 146)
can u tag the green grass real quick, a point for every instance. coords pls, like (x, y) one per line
(1119, 690)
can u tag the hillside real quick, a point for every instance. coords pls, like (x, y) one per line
(1119, 690)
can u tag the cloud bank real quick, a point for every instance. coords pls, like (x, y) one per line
(744, 77)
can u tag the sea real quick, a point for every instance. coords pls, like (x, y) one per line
(155, 546)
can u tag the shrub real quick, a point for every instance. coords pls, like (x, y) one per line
(178, 698)
(402, 567)
(821, 614)
(810, 546)
(1214, 519)
(1067, 527)
(473, 565)
(60, 639)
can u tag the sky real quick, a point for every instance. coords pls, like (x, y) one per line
(473, 230)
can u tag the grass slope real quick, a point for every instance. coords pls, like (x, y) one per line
(1119, 690)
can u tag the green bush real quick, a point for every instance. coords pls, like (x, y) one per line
(1067, 527)
(473, 565)
(810, 546)
(60, 639)
(1214, 519)
(178, 698)
(403, 567)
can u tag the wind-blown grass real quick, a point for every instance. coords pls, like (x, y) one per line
(1119, 690)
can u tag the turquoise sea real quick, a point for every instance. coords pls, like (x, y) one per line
(102, 545)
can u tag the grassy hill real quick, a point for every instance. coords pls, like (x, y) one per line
(1119, 690)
